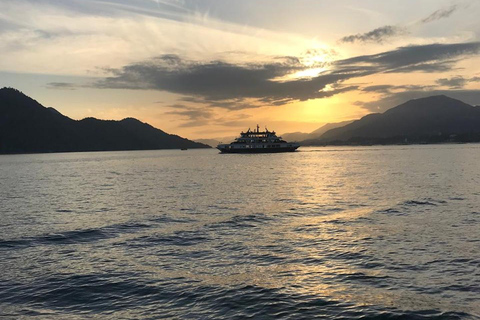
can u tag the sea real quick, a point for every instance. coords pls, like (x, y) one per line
(379, 232)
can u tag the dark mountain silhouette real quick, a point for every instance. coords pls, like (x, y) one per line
(28, 127)
(427, 120)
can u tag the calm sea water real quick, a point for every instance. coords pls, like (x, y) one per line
(322, 233)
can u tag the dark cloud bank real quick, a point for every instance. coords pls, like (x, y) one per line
(217, 82)
(240, 86)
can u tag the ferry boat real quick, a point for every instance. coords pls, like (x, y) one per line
(257, 141)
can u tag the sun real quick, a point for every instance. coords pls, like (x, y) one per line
(308, 73)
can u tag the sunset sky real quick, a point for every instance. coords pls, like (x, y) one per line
(208, 69)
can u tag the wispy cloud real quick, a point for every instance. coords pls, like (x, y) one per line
(197, 115)
(441, 14)
(193, 116)
(192, 113)
(378, 35)
(388, 89)
(381, 88)
(73, 37)
(61, 85)
(381, 34)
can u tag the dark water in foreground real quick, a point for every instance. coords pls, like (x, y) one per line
(326, 233)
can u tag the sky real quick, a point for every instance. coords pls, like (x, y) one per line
(212, 68)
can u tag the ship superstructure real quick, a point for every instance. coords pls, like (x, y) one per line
(257, 141)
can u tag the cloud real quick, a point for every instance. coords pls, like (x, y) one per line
(377, 35)
(440, 14)
(194, 116)
(61, 85)
(388, 89)
(427, 67)
(230, 104)
(200, 115)
(456, 82)
(73, 37)
(240, 86)
(384, 88)
(220, 83)
(191, 113)
(423, 58)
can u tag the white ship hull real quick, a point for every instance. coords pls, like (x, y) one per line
(232, 148)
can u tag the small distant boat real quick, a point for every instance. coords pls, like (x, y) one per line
(183, 149)
(257, 141)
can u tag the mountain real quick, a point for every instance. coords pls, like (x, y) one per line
(327, 127)
(426, 120)
(300, 136)
(295, 136)
(214, 142)
(211, 142)
(28, 127)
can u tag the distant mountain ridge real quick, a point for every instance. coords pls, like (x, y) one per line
(301, 136)
(211, 142)
(28, 127)
(427, 120)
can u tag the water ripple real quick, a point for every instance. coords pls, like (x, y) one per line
(356, 233)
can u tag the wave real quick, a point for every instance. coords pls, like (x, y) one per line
(241, 221)
(75, 236)
(111, 294)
